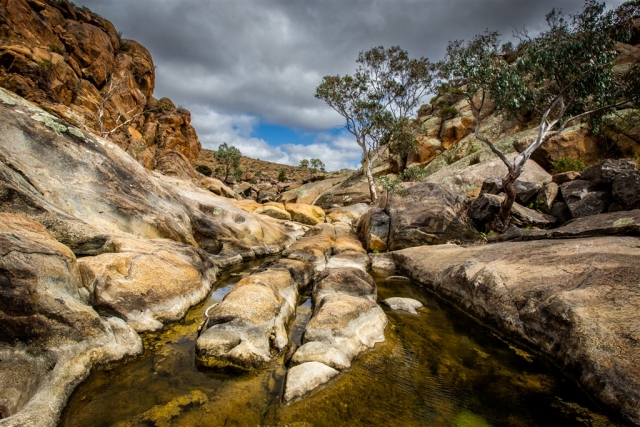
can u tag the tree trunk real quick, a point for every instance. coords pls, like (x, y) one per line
(372, 185)
(501, 223)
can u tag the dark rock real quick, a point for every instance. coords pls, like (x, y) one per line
(606, 171)
(491, 186)
(584, 199)
(486, 207)
(626, 190)
(525, 190)
(561, 212)
(267, 196)
(427, 214)
(545, 197)
(561, 178)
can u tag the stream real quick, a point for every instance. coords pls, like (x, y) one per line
(437, 368)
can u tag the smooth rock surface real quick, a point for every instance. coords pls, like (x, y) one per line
(575, 300)
(303, 378)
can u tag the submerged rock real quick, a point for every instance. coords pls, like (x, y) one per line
(405, 304)
(306, 377)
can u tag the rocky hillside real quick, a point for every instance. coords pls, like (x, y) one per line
(75, 65)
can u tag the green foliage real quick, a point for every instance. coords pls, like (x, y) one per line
(567, 164)
(282, 175)
(57, 49)
(237, 173)
(433, 100)
(473, 150)
(389, 183)
(413, 174)
(304, 163)
(45, 64)
(204, 170)
(316, 165)
(377, 100)
(448, 112)
(123, 44)
(229, 159)
(163, 105)
(474, 160)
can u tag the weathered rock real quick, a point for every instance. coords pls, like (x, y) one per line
(306, 377)
(575, 300)
(347, 214)
(70, 61)
(323, 353)
(525, 190)
(275, 204)
(148, 283)
(242, 188)
(383, 262)
(217, 187)
(486, 207)
(546, 197)
(405, 304)
(623, 223)
(427, 148)
(345, 194)
(305, 214)
(455, 129)
(607, 171)
(348, 323)
(315, 246)
(584, 199)
(426, 214)
(469, 180)
(50, 338)
(626, 190)
(373, 228)
(346, 240)
(248, 328)
(561, 178)
(574, 143)
(345, 281)
(560, 211)
(273, 212)
(308, 193)
(247, 205)
(352, 259)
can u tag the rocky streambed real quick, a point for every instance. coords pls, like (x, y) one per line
(435, 367)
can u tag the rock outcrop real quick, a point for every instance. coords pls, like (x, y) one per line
(74, 64)
(574, 300)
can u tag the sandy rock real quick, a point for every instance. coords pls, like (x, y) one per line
(148, 288)
(273, 212)
(305, 214)
(248, 328)
(50, 338)
(347, 214)
(427, 149)
(405, 304)
(218, 187)
(306, 377)
(455, 129)
(359, 260)
(315, 246)
(575, 300)
(276, 205)
(247, 205)
(308, 193)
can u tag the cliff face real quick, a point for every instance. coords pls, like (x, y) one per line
(74, 64)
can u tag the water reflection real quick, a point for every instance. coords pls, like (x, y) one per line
(436, 368)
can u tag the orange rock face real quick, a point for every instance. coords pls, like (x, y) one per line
(74, 64)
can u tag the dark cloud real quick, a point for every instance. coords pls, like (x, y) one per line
(242, 62)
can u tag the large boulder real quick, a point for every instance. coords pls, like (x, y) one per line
(574, 300)
(308, 193)
(427, 214)
(218, 187)
(346, 194)
(584, 198)
(273, 212)
(347, 214)
(50, 337)
(486, 207)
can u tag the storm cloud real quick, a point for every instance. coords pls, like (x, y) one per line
(237, 64)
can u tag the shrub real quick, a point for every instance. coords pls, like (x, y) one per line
(389, 183)
(163, 105)
(57, 49)
(448, 112)
(282, 175)
(433, 100)
(237, 173)
(413, 173)
(567, 164)
(204, 170)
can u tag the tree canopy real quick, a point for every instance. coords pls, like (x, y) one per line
(229, 158)
(377, 100)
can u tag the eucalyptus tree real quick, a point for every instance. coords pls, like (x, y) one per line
(561, 76)
(229, 157)
(377, 100)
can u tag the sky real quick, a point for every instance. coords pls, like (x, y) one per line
(247, 69)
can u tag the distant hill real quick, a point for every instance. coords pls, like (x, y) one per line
(269, 170)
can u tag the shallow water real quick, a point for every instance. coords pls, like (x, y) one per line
(437, 368)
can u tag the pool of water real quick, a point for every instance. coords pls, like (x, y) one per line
(437, 368)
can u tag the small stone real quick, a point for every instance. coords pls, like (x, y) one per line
(306, 377)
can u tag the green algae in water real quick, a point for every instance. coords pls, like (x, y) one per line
(436, 368)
